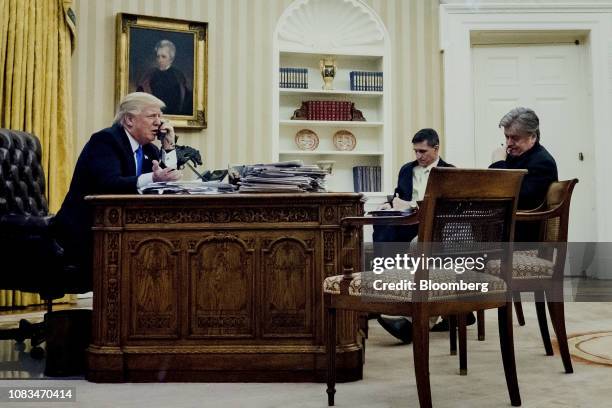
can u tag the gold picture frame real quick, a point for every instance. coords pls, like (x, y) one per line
(167, 58)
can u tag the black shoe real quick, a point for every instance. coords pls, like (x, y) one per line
(470, 319)
(400, 328)
(443, 326)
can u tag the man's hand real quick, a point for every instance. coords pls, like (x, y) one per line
(169, 140)
(399, 204)
(167, 174)
(499, 154)
(385, 206)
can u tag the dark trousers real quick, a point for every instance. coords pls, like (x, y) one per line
(393, 233)
(77, 243)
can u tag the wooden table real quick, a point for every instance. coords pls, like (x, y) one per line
(218, 287)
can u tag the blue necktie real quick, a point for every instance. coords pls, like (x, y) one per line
(139, 156)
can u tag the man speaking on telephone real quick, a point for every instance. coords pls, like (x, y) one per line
(115, 160)
(524, 151)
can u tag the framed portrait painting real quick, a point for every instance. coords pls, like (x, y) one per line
(166, 58)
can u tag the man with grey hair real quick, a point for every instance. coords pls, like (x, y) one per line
(115, 160)
(167, 82)
(524, 151)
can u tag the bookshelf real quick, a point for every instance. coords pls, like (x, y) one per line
(308, 31)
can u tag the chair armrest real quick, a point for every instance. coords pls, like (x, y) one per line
(538, 215)
(409, 219)
(23, 235)
(26, 224)
(539, 208)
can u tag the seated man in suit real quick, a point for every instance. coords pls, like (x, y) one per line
(524, 151)
(411, 184)
(115, 160)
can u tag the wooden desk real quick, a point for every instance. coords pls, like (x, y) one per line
(218, 288)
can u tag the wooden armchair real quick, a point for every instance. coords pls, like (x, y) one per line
(541, 271)
(462, 209)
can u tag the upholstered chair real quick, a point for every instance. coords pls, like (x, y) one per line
(32, 259)
(541, 270)
(464, 212)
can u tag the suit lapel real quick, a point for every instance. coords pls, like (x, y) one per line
(410, 179)
(126, 148)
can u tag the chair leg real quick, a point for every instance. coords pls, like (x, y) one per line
(26, 330)
(331, 356)
(420, 339)
(452, 334)
(462, 344)
(364, 320)
(518, 306)
(363, 324)
(506, 343)
(480, 318)
(557, 315)
(541, 313)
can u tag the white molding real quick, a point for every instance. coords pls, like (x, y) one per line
(338, 27)
(457, 21)
(514, 8)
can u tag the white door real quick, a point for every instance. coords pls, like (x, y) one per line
(551, 80)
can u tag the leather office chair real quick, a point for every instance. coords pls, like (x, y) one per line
(32, 259)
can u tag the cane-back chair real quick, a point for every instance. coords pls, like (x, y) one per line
(541, 270)
(464, 212)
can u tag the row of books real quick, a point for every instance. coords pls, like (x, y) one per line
(366, 81)
(367, 178)
(359, 80)
(294, 78)
(328, 110)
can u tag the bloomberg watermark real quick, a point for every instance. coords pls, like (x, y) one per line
(456, 270)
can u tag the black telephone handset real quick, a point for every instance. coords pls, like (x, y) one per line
(160, 136)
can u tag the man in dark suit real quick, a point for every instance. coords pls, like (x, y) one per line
(116, 160)
(524, 151)
(411, 184)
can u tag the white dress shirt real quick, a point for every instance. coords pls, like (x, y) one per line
(420, 175)
(169, 158)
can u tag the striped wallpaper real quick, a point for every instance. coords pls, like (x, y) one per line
(239, 72)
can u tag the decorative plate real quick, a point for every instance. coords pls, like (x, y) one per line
(344, 140)
(306, 139)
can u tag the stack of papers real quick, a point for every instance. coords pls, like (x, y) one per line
(283, 177)
(161, 188)
(187, 187)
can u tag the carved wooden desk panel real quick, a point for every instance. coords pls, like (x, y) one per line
(217, 288)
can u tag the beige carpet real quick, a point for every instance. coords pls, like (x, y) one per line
(389, 376)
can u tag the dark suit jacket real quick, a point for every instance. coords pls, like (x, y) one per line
(403, 190)
(404, 179)
(105, 166)
(541, 173)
